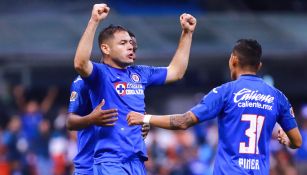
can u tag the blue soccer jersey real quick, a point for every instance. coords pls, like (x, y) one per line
(247, 110)
(122, 89)
(80, 104)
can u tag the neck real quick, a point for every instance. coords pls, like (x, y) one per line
(244, 72)
(113, 64)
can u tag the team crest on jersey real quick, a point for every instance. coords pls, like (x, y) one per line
(292, 112)
(135, 77)
(73, 96)
(120, 88)
(124, 88)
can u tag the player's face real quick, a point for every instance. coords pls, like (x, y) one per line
(121, 49)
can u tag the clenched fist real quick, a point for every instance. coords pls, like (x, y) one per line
(135, 118)
(100, 12)
(188, 22)
(283, 138)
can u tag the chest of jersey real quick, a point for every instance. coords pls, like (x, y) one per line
(123, 90)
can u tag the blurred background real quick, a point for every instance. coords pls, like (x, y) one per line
(38, 39)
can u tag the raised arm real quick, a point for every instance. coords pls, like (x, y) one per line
(172, 122)
(82, 63)
(292, 138)
(49, 99)
(179, 63)
(97, 117)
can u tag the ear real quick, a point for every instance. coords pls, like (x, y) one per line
(105, 49)
(259, 66)
(234, 60)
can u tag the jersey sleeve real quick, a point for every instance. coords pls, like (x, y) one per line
(210, 106)
(157, 75)
(76, 100)
(94, 77)
(286, 117)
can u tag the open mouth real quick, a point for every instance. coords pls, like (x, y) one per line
(131, 56)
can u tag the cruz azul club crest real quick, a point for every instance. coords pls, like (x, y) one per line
(120, 88)
(124, 88)
(135, 77)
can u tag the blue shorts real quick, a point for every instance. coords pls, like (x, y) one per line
(133, 167)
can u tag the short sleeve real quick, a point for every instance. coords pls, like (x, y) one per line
(94, 77)
(210, 106)
(286, 117)
(79, 102)
(75, 100)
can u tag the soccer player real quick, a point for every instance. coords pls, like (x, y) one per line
(120, 149)
(82, 119)
(247, 110)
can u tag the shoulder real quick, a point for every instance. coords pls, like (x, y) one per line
(77, 80)
(78, 83)
(226, 86)
(140, 67)
(147, 69)
(99, 69)
(99, 65)
(78, 89)
(276, 92)
(281, 96)
(225, 91)
(221, 91)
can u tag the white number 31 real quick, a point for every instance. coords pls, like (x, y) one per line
(253, 133)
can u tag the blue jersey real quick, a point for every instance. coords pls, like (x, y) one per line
(122, 89)
(80, 104)
(247, 110)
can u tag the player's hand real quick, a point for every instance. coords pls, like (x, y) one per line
(188, 22)
(103, 117)
(135, 118)
(145, 130)
(283, 138)
(100, 12)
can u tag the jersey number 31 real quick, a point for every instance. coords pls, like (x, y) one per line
(253, 133)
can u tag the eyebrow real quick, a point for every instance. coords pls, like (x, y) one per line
(125, 40)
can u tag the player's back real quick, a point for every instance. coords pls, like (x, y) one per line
(250, 110)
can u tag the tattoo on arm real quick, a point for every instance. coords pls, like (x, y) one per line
(181, 121)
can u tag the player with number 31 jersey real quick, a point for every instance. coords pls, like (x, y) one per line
(247, 110)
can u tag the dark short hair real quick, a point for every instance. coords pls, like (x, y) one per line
(249, 52)
(131, 34)
(134, 43)
(108, 33)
